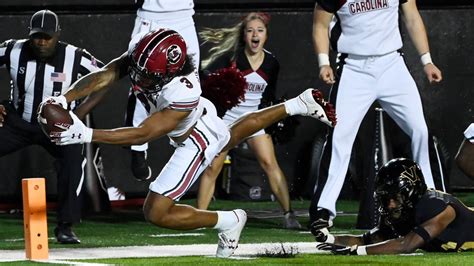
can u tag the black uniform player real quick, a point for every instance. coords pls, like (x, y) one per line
(412, 217)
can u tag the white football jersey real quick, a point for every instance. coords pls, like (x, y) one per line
(365, 27)
(181, 94)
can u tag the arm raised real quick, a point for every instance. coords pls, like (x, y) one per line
(99, 80)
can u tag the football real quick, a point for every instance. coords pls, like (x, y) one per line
(51, 114)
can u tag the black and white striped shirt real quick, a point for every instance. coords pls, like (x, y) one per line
(33, 80)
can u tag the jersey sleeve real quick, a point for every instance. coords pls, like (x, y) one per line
(89, 63)
(5, 49)
(427, 208)
(331, 6)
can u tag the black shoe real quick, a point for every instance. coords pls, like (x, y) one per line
(140, 169)
(65, 235)
(323, 220)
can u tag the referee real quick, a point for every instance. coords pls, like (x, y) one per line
(40, 67)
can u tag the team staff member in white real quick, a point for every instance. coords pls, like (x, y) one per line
(370, 68)
(152, 15)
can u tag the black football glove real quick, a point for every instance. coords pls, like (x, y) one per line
(323, 235)
(338, 249)
(319, 229)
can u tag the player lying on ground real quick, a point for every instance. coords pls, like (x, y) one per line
(160, 69)
(411, 217)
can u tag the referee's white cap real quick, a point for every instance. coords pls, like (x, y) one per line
(44, 21)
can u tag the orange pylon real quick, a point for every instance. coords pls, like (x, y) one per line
(34, 218)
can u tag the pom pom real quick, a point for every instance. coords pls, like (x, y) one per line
(225, 88)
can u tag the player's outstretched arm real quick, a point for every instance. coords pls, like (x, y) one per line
(155, 126)
(98, 80)
(324, 236)
(417, 237)
(345, 245)
(407, 244)
(89, 103)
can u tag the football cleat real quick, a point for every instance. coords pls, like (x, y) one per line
(317, 107)
(229, 239)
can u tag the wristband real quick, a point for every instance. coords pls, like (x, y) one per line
(426, 59)
(88, 132)
(323, 59)
(361, 250)
(419, 230)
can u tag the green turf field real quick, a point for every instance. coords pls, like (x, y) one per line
(127, 227)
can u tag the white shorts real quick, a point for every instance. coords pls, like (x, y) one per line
(192, 156)
(469, 133)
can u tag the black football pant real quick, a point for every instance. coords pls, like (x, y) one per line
(17, 133)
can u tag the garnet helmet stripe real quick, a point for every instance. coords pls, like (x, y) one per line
(158, 45)
(145, 49)
(151, 45)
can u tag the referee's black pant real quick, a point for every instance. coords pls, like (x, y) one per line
(17, 133)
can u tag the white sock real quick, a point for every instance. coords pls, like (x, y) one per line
(295, 106)
(225, 220)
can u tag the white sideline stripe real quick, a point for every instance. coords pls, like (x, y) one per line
(64, 262)
(157, 251)
(22, 239)
(177, 235)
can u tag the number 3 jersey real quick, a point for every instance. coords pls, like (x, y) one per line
(181, 94)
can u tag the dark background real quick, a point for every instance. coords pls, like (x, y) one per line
(103, 27)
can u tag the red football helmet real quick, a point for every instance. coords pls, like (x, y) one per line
(156, 59)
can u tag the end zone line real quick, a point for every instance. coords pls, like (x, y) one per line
(157, 251)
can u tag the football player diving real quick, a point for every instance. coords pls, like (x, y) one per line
(165, 79)
(411, 217)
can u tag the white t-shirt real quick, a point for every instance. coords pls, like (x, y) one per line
(365, 27)
(166, 8)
